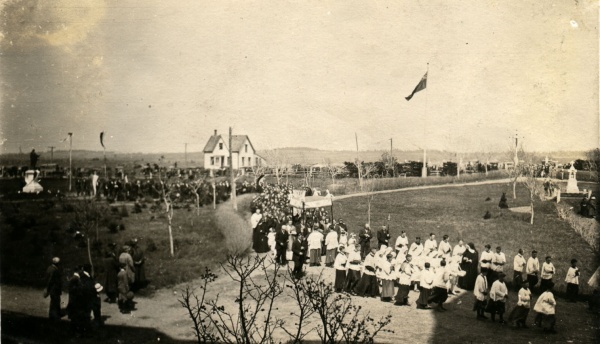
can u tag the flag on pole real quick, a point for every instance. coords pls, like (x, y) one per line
(421, 86)
(66, 138)
(102, 139)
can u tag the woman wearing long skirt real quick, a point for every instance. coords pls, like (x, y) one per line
(521, 311)
(404, 273)
(340, 270)
(469, 266)
(387, 279)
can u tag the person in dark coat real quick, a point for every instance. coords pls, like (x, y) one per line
(88, 294)
(583, 207)
(503, 204)
(281, 242)
(383, 237)
(54, 288)
(299, 255)
(123, 287)
(365, 241)
(74, 305)
(111, 269)
(468, 264)
(97, 306)
(33, 158)
(139, 262)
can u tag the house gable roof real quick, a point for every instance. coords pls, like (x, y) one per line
(212, 143)
(237, 142)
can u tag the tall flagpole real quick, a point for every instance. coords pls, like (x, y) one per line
(70, 159)
(424, 169)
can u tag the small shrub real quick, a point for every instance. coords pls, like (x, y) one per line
(151, 245)
(67, 208)
(122, 227)
(137, 208)
(113, 227)
(124, 212)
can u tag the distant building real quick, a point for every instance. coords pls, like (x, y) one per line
(216, 152)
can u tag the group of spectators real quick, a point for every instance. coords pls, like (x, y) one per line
(124, 273)
(587, 207)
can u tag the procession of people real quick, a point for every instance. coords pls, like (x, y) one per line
(393, 269)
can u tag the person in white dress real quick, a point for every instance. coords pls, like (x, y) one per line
(545, 307)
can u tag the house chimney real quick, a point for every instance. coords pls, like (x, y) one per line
(215, 132)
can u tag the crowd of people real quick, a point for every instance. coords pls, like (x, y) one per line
(392, 269)
(124, 274)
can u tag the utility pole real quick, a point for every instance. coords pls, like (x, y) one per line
(51, 153)
(392, 158)
(185, 154)
(233, 199)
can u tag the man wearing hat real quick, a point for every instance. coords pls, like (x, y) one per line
(383, 237)
(97, 305)
(299, 255)
(54, 288)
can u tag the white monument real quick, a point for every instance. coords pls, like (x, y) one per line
(572, 182)
(31, 185)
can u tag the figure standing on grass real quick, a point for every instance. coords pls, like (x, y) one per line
(468, 264)
(545, 307)
(365, 241)
(139, 262)
(533, 270)
(383, 237)
(498, 297)
(547, 272)
(33, 158)
(480, 292)
(521, 311)
(54, 288)
(572, 280)
(518, 267)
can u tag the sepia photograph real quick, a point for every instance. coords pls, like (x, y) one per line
(229, 171)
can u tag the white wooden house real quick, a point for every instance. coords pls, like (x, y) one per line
(216, 152)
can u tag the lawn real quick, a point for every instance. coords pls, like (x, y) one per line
(32, 232)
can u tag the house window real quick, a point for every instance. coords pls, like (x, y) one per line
(257, 162)
(221, 145)
(243, 161)
(212, 160)
(246, 147)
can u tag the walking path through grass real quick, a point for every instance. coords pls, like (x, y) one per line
(424, 187)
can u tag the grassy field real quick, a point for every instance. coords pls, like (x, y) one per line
(459, 212)
(33, 232)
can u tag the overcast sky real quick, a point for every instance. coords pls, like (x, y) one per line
(156, 74)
